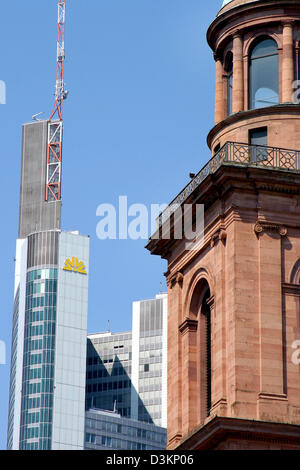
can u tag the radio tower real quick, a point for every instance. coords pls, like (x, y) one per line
(55, 127)
(43, 251)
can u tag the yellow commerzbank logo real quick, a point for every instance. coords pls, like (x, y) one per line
(74, 265)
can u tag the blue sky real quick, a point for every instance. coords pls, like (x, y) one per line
(141, 81)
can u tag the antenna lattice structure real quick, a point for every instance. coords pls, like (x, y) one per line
(55, 123)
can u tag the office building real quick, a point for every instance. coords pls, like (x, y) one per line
(48, 358)
(108, 430)
(149, 360)
(127, 372)
(108, 375)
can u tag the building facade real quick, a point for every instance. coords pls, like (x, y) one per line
(47, 386)
(106, 430)
(108, 372)
(233, 300)
(127, 372)
(149, 360)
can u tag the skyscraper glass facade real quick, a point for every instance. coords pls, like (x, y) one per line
(38, 359)
(47, 388)
(108, 372)
(13, 369)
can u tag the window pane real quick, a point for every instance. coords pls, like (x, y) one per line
(265, 47)
(259, 139)
(263, 75)
(229, 70)
(229, 95)
(258, 136)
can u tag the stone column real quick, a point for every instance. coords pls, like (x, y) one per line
(190, 392)
(219, 94)
(218, 326)
(272, 400)
(174, 360)
(287, 63)
(238, 76)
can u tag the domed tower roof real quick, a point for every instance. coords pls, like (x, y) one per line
(228, 4)
(249, 95)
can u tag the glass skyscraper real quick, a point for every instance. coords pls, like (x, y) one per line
(48, 357)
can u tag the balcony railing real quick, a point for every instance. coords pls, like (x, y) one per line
(237, 154)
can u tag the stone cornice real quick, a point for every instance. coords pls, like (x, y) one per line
(232, 178)
(219, 429)
(288, 22)
(286, 108)
(241, 17)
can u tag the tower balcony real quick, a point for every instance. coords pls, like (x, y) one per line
(237, 154)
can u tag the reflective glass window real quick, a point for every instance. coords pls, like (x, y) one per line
(263, 74)
(229, 72)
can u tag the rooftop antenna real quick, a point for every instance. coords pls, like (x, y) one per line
(55, 123)
(161, 287)
(35, 116)
(115, 406)
(108, 326)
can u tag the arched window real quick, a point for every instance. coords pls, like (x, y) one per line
(200, 310)
(205, 311)
(295, 274)
(263, 74)
(229, 73)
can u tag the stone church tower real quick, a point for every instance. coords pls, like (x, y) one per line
(234, 300)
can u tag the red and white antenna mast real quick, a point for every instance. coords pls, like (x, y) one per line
(55, 126)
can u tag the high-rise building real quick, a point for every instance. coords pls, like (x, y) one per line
(149, 360)
(108, 374)
(127, 372)
(233, 291)
(48, 359)
(108, 430)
